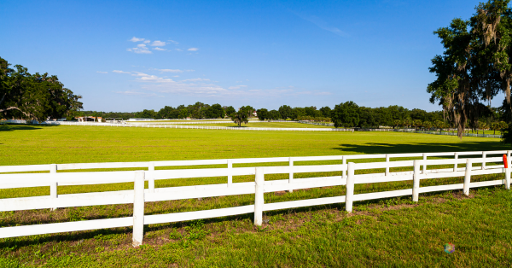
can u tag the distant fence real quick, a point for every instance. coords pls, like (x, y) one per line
(209, 122)
(316, 123)
(192, 127)
(490, 162)
(411, 130)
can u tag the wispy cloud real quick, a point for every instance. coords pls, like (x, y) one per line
(170, 70)
(120, 72)
(237, 87)
(159, 49)
(322, 24)
(154, 85)
(100, 72)
(195, 80)
(179, 49)
(147, 41)
(135, 39)
(140, 49)
(193, 49)
(172, 41)
(158, 43)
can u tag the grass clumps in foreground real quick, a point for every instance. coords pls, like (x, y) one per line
(391, 232)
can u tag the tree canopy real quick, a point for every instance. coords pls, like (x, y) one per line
(34, 96)
(475, 65)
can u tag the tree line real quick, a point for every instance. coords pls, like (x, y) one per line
(34, 96)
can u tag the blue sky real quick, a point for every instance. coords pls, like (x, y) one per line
(134, 55)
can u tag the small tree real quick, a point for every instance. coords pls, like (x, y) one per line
(397, 123)
(262, 114)
(242, 116)
(427, 125)
(439, 125)
(417, 123)
(495, 126)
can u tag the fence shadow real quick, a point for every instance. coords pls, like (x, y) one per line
(386, 148)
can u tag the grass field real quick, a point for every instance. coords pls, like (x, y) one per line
(391, 232)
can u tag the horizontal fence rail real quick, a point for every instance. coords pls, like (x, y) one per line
(185, 126)
(376, 170)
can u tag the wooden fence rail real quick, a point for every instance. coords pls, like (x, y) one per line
(476, 163)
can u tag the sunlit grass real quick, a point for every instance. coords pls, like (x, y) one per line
(389, 232)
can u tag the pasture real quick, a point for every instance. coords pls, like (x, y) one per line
(391, 232)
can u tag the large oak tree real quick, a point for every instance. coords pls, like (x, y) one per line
(34, 96)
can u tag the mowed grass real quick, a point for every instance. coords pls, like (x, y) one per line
(391, 232)
(26, 145)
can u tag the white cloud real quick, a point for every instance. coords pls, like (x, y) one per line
(158, 43)
(140, 49)
(195, 80)
(147, 41)
(172, 41)
(237, 87)
(170, 70)
(135, 39)
(193, 49)
(120, 72)
(159, 49)
(179, 49)
(143, 77)
(100, 72)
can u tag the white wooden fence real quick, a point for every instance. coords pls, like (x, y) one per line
(198, 127)
(490, 162)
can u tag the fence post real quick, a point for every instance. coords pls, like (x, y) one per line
(349, 196)
(138, 209)
(258, 196)
(290, 177)
(424, 163)
(484, 155)
(455, 165)
(151, 177)
(54, 184)
(507, 178)
(467, 177)
(230, 176)
(416, 181)
(387, 165)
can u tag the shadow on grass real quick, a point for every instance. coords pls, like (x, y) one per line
(15, 127)
(386, 148)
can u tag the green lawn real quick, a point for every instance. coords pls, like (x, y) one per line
(24, 145)
(390, 232)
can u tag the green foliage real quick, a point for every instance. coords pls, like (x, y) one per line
(263, 114)
(146, 114)
(229, 110)
(475, 64)
(345, 114)
(242, 116)
(286, 112)
(34, 96)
